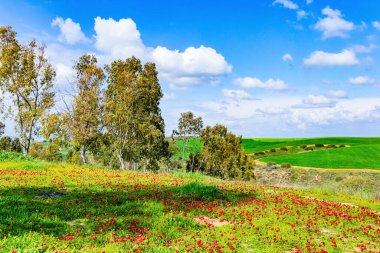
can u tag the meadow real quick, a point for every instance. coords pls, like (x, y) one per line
(57, 207)
(357, 153)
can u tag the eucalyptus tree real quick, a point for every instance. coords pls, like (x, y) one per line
(27, 75)
(86, 114)
(131, 113)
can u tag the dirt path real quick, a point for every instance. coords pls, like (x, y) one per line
(327, 169)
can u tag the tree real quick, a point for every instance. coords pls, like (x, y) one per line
(2, 127)
(86, 115)
(189, 126)
(27, 76)
(118, 116)
(56, 129)
(131, 113)
(223, 156)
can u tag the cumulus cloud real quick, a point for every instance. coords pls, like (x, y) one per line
(193, 66)
(321, 59)
(376, 24)
(309, 1)
(253, 82)
(287, 4)
(70, 31)
(333, 24)
(287, 57)
(364, 80)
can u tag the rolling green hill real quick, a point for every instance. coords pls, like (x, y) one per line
(359, 153)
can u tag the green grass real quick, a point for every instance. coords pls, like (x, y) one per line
(193, 146)
(361, 153)
(110, 211)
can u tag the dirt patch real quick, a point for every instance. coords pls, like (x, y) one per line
(207, 221)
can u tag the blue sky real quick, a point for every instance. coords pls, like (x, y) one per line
(277, 68)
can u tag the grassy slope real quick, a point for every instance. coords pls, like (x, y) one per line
(363, 153)
(115, 211)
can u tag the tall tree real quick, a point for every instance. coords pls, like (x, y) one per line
(132, 115)
(151, 124)
(27, 75)
(119, 115)
(189, 127)
(86, 114)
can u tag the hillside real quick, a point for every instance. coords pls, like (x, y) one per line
(51, 207)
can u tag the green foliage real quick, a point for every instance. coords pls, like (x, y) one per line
(50, 152)
(27, 75)
(222, 155)
(7, 144)
(13, 156)
(132, 115)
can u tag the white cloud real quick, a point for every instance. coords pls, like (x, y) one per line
(287, 4)
(193, 66)
(376, 24)
(317, 101)
(364, 80)
(363, 49)
(309, 1)
(287, 57)
(333, 24)
(169, 96)
(253, 82)
(321, 58)
(70, 31)
(336, 94)
(301, 14)
(236, 94)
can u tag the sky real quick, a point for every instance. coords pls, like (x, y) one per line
(279, 68)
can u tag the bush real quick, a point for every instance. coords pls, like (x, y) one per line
(319, 145)
(36, 150)
(284, 148)
(309, 148)
(50, 153)
(6, 143)
(331, 146)
(273, 150)
(13, 156)
(286, 165)
(259, 153)
(342, 146)
(303, 146)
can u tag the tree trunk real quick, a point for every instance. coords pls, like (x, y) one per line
(121, 160)
(83, 155)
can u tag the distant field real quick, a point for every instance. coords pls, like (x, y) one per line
(361, 153)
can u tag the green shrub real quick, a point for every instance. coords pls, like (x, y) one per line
(303, 146)
(284, 148)
(319, 145)
(13, 156)
(273, 150)
(286, 165)
(331, 146)
(52, 153)
(36, 150)
(342, 146)
(309, 148)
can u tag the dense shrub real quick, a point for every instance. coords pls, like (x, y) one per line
(342, 146)
(273, 150)
(303, 146)
(286, 165)
(309, 148)
(331, 146)
(284, 148)
(9, 144)
(319, 145)
(51, 152)
(13, 156)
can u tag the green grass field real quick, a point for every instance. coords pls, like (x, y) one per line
(58, 207)
(360, 153)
